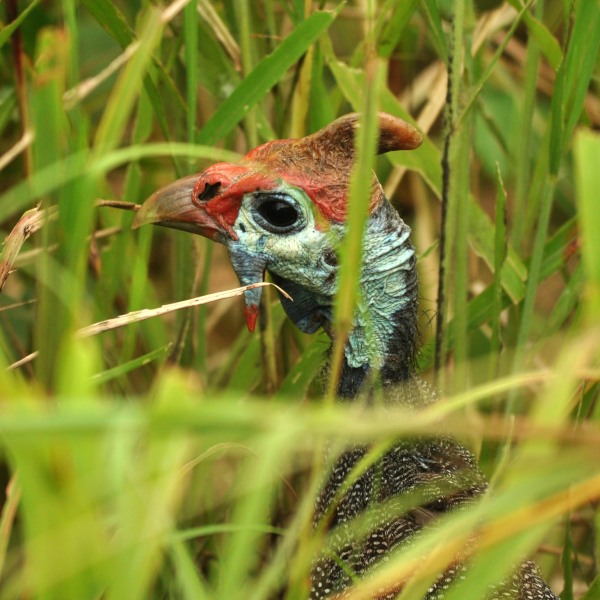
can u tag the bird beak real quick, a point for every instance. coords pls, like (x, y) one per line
(173, 206)
(199, 204)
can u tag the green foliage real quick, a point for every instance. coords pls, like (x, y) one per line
(180, 458)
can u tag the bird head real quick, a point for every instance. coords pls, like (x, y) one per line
(283, 209)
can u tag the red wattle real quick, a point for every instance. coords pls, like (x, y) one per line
(251, 314)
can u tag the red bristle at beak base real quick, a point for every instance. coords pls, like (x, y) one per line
(251, 314)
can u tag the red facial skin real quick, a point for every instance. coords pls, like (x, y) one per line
(220, 189)
(251, 314)
(319, 164)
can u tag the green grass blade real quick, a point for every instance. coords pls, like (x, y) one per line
(358, 208)
(547, 42)
(393, 26)
(9, 29)
(189, 581)
(112, 19)
(191, 65)
(587, 159)
(481, 306)
(427, 160)
(136, 363)
(581, 60)
(108, 15)
(573, 78)
(500, 245)
(593, 591)
(264, 76)
(114, 119)
(48, 179)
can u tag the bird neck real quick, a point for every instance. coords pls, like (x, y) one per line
(383, 338)
(384, 335)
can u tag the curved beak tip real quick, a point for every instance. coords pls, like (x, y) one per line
(145, 214)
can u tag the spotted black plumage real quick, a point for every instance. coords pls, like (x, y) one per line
(446, 477)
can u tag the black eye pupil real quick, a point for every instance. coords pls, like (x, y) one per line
(278, 213)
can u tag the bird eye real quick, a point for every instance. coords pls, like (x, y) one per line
(276, 214)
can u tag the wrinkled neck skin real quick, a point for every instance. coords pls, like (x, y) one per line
(385, 331)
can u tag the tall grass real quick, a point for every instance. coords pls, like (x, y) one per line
(171, 458)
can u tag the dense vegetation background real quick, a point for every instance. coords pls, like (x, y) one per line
(170, 458)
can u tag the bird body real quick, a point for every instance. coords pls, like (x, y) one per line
(282, 209)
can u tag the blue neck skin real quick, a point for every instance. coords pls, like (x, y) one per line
(385, 329)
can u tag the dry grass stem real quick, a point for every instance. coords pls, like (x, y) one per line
(210, 15)
(118, 204)
(147, 313)
(13, 152)
(85, 88)
(30, 222)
